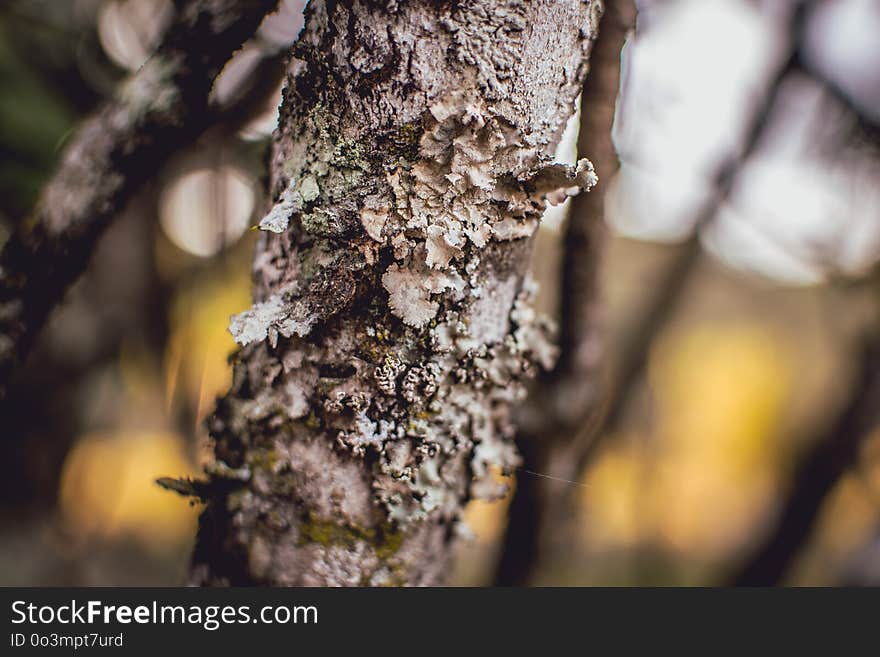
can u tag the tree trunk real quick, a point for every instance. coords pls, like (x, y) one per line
(392, 328)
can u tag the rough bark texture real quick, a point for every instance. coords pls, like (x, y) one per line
(157, 110)
(392, 328)
(564, 397)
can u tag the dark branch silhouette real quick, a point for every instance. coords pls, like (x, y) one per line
(572, 386)
(821, 467)
(545, 503)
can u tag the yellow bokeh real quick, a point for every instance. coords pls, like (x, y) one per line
(611, 495)
(488, 519)
(721, 391)
(108, 489)
(706, 472)
(196, 361)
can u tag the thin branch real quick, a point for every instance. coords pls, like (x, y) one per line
(159, 109)
(538, 505)
(573, 384)
(601, 419)
(832, 454)
(820, 469)
(661, 307)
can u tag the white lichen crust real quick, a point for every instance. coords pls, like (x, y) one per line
(392, 328)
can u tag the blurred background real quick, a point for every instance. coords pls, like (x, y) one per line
(752, 360)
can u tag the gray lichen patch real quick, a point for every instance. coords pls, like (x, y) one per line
(433, 416)
(292, 201)
(254, 325)
(270, 318)
(410, 290)
(330, 289)
(556, 182)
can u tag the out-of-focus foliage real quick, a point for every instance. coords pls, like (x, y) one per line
(803, 209)
(125, 393)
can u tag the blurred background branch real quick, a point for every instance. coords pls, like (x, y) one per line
(830, 455)
(132, 359)
(561, 445)
(161, 108)
(556, 405)
(598, 422)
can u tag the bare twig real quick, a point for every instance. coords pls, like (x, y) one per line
(829, 457)
(634, 354)
(572, 385)
(543, 503)
(160, 108)
(664, 302)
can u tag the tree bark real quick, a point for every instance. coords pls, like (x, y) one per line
(392, 329)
